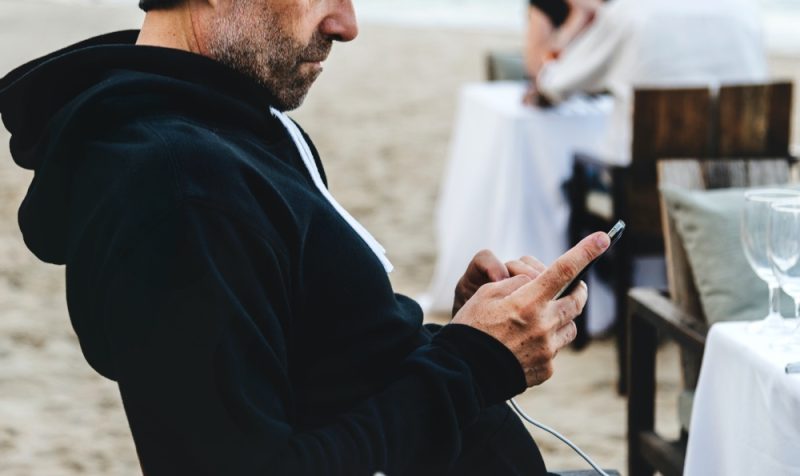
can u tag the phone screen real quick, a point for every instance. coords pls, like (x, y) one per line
(614, 235)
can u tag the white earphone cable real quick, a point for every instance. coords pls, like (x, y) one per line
(557, 435)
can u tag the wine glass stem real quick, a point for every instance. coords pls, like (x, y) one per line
(774, 303)
(796, 331)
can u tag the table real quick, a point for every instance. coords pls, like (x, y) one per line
(746, 412)
(502, 188)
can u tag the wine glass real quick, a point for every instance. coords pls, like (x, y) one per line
(754, 229)
(783, 247)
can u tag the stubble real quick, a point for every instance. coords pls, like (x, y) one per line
(251, 39)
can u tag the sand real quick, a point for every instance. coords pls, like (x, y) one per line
(381, 115)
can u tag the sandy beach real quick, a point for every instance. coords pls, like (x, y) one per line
(381, 116)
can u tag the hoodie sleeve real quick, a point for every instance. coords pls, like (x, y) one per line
(197, 317)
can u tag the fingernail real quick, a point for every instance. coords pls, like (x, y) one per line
(602, 241)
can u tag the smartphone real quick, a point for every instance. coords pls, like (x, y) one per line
(614, 235)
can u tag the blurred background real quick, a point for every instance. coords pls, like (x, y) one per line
(382, 116)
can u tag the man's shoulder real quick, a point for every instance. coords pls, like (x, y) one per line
(218, 161)
(153, 164)
(181, 147)
(147, 171)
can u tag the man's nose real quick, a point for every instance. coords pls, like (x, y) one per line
(340, 24)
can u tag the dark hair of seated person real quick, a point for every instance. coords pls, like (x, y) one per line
(556, 10)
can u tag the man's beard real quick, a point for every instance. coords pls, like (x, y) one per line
(250, 40)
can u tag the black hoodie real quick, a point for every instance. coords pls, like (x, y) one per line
(250, 329)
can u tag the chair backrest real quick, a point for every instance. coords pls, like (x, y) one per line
(750, 121)
(753, 120)
(672, 123)
(505, 66)
(706, 175)
(666, 123)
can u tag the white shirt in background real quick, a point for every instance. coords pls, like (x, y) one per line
(657, 43)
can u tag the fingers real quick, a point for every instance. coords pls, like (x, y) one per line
(526, 265)
(564, 336)
(567, 267)
(561, 335)
(564, 310)
(534, 263)
(485, 266)
(506, 287)
(518, 267)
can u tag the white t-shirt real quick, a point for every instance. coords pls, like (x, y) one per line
(658, 43)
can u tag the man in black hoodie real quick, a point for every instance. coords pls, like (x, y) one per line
(247, 318)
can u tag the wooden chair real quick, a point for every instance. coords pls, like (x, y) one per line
(742, 121)
(666, 123)
(754, 120)
(679, 316)
(505, 66)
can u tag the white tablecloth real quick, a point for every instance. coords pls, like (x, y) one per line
(502, 188)
(746, 414)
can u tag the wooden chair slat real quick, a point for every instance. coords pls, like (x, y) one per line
(754, 120)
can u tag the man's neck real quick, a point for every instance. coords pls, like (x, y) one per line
(173, 28)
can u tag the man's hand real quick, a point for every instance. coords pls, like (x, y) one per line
(486, 268)
(520, 311)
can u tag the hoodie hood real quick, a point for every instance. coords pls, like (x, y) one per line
(51, 103)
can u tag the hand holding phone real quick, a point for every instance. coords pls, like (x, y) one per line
(614, 235)
(521, 314)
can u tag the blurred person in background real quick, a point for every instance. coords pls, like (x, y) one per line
(551, 26)
(667, 43)
(247, 318)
